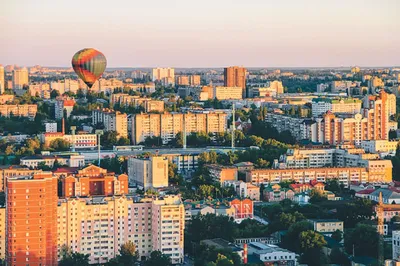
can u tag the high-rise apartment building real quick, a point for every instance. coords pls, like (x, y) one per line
(164, 75)
(377, 113)
(235, 77)
(182, 80)
(20, 78)
(2, 80)
(3, 239)
(375, 83)
(167, 125)
(193, 80)
(167, 228)
(112, 121)
(151, 172)
(31, 227)
(98, 226)
(13, 171)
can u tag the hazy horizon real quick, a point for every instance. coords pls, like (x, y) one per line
(206, 34)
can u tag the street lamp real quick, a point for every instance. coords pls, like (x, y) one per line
(99, 133)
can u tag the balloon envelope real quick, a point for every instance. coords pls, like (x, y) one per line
(89, 64)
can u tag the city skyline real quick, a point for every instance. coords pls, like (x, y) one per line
(213, 34)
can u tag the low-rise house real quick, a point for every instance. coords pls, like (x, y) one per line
(244, 166)
(244, 190)
(271, 254)
(390, 195)
(327, 226)
(238, 209)
(276, 193)
(364, 194)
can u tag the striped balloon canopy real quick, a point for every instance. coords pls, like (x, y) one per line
(89, 64)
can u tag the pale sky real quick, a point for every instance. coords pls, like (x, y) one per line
(202, 33)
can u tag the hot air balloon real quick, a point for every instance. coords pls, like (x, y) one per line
(89, 64)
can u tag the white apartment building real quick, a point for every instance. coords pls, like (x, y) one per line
(319, 158)
(168, 224)
(149, 172)
(112, 121)
(50, 127)
(20, 78)
(396, 245)
(164, 75)
(379, 146)
(345, 106)
(98, 226)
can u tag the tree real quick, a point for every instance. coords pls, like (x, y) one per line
(109, 139)
(60, 144)
(205, 191)
(355, 212)
(127, 254)
(221, 261)
(392, 134)
(173, 176)
(337, 235)
(291, 239)
(153, 141)
(43, 166)
(158, 259)
(310, 239)
(75, 259)
(364, 239)
(339, 258)
(122, 141)
(287, 219)
(54, 94)
(316, 196)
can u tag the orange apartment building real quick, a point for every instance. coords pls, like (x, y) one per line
(235, 77)
(31, 213)
(93, 180)
(14, 171)
(223, 173)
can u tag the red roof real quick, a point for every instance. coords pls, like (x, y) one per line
(315, 182)
(366, 191)
(294, 186)
(62, 170)
(69, 102)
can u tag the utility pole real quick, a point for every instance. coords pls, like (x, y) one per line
(233, 127)
(99, 133)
